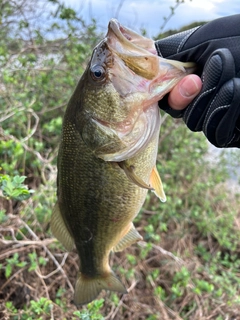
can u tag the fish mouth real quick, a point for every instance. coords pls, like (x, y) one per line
(129, 37)
(140, 78)
(118, 141)
(123, 34)
(137, 52)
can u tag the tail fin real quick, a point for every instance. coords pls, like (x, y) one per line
(87, 289)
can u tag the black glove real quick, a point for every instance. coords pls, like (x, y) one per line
(215, 47)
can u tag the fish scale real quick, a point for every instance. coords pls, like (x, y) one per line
(107, 155)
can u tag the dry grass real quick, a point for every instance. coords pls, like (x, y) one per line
(140, 303)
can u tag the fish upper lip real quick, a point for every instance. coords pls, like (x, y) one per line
(123, 34)
(115, 26)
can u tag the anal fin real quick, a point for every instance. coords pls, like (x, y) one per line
(131, 237)
(156, 183)
(60, 230)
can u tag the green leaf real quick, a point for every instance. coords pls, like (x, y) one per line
(8, 270)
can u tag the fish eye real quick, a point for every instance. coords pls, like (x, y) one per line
(97, 72)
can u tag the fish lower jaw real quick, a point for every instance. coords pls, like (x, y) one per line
(130, 145)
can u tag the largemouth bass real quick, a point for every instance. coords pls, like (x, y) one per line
(107, 156)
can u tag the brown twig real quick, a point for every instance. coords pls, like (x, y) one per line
(163, 251)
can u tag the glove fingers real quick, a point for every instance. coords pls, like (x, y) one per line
(163, 104)
(220, 125)
(219, 69)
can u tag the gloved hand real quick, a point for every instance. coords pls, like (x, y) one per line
(215, 48)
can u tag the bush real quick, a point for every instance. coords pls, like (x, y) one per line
(188, 265)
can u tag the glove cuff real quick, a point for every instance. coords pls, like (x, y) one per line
(173, 44)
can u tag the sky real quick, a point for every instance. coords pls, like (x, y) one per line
(149, 14)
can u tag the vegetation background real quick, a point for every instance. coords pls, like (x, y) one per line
(189, 267)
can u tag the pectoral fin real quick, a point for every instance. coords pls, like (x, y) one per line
(131, 237)
(156, 183)
(60, 230)
(129, 171)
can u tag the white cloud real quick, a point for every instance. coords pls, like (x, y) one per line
(149, 15)
(203, 5)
